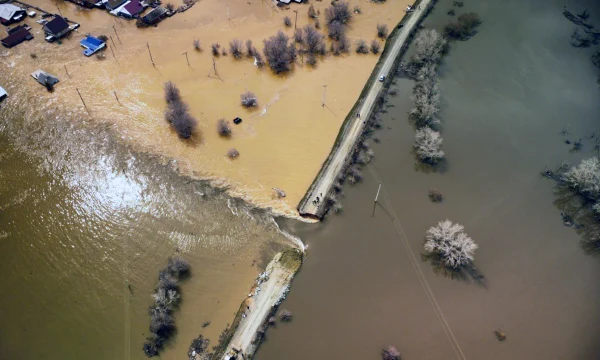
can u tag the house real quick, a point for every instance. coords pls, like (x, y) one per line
(44, 78)
(91, 45)
(154, 16)
(57, 27)
(114, 4)
(17, 36)
(131, 9)
(3, 94)
(10, 13)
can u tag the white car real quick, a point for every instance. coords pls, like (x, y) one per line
(382, 78)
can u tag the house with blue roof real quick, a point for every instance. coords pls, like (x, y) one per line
(92, 45)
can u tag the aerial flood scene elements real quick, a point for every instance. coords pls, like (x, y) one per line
(299, 179)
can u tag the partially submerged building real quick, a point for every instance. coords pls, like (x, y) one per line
(3, 94)
(154, 16)
(56, 28)
(10, 14)
(131, 9)
(44, 78)
(92, 45)
(16, 36)
(114, 4)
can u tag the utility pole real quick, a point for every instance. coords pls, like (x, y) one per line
(115, 29)
(58, 9)
(67, 71)
(85, 106)
(186, 57)
(111, 50)
(324, 93)
(149, 52)
(296, 21)
(376, 198)
(214, 68)
(111, 39)
(116, 97)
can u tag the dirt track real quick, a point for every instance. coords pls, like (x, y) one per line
(336, 162)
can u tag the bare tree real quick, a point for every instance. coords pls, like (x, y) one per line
(382, 31)
(585, 178)
(375, 47)
(390, 353)
(249, 99)
(426, 96)
(177, 113)
(430, 46)
(197, 45)
(314, 40)
(223, 128)
(280, 55)
(311, 12)
(340, 12)
(172, 93)
(427, 144)
(287, 21)
(361, 47)
(451, 243)
(236, 48)
(215, 49)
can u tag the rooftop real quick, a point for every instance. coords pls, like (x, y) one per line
(57, 25)
(17, 37)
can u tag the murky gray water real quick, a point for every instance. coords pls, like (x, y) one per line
(507, 94)
(80, 216)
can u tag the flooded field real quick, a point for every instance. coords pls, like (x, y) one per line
(282, 144)
(507, 93)
(82, 217)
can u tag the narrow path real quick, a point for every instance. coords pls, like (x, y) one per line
(336, 161)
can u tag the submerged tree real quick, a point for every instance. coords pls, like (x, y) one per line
(464, 27)
(223, 128)
(375, 47)
(338, 12)
(177, 112)
(585, 178)
(280, 55)
(236, 48)
(249, 99)
(430, 46)
(361, 47)
(449, 241)
(427, 144)
(390, 353)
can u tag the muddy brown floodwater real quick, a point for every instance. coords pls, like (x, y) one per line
(507, 94)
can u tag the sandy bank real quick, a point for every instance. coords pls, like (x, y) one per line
(356, 121)
(282, 144)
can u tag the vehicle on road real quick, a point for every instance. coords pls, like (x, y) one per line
(382, 77)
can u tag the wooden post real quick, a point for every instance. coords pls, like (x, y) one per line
(116, 97)
(115, 29)
(58, 9)
(149, 52)
(111, 50)
(111, 39)
(186, 57)
(296, 21)
(67, 71)
(324, 90)
(84, 105)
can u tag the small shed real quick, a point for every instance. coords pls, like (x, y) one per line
(57, 27)
(44, 78)
(17, 37)
(91, 45)
(3, 93)
(154, 16)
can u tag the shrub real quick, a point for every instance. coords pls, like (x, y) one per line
(233, 153)
(103, 38)
(153, 345)
(215, 49)
(357, 9)
(197, 45)
(427, 144)
(317, 24)
(382, 31)
(223, 128)
(280, 55)
(375, 47)
(449, 241)
(258, 59)
(172, 93)
(313, 40)
(100, 56)
(33, 55)
(390, 353)
(463, 28)
(224, 52)
(361, 47)
(311, 59)
(311, 12)
(250, 50)
(287, 21)
(170, 7)
(166, 280)
(298, 37)
(177, 266)
(336, 30)
(285, 315)
(435, 195)
(198, 347)
(249, 99)
(339, 12)
(344, 44)
(236, 48)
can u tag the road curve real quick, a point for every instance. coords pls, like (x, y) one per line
(351, 132)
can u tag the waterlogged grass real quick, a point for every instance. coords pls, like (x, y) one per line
(292, 259)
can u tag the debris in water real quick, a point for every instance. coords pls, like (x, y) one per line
(500, 335)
